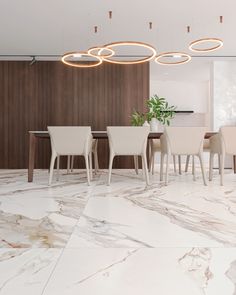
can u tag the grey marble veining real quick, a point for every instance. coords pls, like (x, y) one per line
(231, 274)
(127, 238)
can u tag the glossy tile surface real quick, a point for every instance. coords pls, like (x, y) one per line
(126, 238)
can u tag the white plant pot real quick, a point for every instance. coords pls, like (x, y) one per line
(154, 124)
(146, 124)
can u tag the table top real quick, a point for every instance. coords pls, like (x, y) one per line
(103, 134)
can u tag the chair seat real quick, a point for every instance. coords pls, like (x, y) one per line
(156, 145)
(206, 144)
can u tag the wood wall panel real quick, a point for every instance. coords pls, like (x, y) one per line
(3, 115)
(50, 93)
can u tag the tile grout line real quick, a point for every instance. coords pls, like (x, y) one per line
(81, 213)
(59, 258)
(63, 250)
(52, 272)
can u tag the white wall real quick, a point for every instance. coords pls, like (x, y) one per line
(186, 96)
(224, 93)
(187, 87)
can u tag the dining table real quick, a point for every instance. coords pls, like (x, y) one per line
(35, 135)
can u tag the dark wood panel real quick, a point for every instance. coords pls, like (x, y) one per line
(4, 115)
(50, 93)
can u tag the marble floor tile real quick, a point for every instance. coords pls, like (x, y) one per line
(182, 214)
(126, 238)
(164, 271)
(40, 217)
(26, 271)
(36, 222)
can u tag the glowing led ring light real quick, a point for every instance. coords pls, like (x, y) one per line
(131, 43)
(79, 55)
(218, 42)
(97, 52)
(186, 57)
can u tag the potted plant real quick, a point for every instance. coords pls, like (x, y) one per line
(158, 111)
(137, 118)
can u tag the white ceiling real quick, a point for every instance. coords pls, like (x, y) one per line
(53, 27)
(56, 26)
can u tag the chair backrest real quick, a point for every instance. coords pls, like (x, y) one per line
(185, 140)
(228, 135)
(70, 140)
(126, 140)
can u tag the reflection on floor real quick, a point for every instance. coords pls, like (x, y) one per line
(124, 239)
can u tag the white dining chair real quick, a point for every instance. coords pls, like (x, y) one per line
(206, 148)
(128, 141)
(71, 141)
(155, 147)
(70, 160)
(222, 144)
(182, 141)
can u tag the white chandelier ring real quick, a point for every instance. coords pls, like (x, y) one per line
(80, 54)
(131, 43)
(186, 58)
(217, 41)
(97, 52)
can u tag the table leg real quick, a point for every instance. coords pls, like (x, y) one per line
(149, 153)
(32, 146)
(234, 164)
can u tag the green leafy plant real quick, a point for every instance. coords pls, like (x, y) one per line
(157, 107)
(137, 118)
(160, 109)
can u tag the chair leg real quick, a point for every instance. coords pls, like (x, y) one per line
(162, 166)
(58, 167)
(72, 163)
(86, 157)
(96, 164)
(153, 163)
(150, 149)
(90, 165)
(174, 162)
(167, 169)
(68, 164)
(144, 160)
(110, 168)
(193, 168)
(219, 163)
(222, 166)
(179, 159)
(211, 166)
(202, 168)
(136, 164)
(52, 163)
(187, 163)
(143, 169)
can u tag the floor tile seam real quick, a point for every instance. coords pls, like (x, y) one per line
(148, 248)
(52, 272)
(77, 220)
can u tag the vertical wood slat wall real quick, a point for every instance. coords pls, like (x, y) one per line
(50, 93)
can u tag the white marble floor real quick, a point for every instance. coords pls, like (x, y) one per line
(71, 239)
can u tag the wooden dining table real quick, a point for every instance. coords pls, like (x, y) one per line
(35, 135)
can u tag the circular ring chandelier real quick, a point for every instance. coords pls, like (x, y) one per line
(130, 43)
(186, 58)
(97, 52)
(80, 54)
(218, 42)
